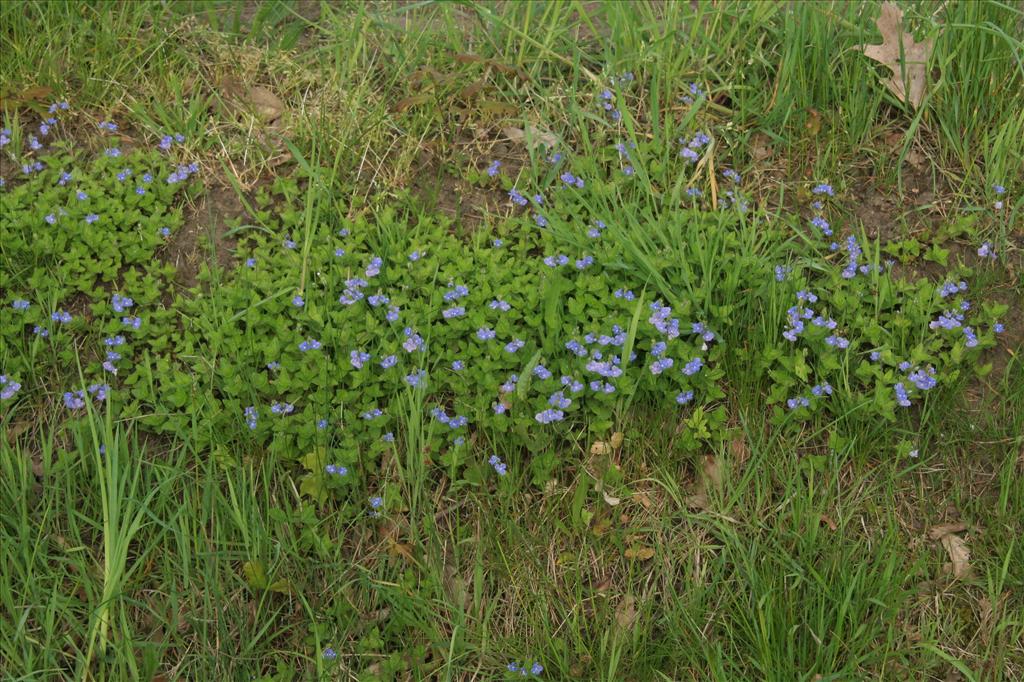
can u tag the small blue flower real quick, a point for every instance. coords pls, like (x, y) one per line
(133, 322)
(823, 188)
(376, 502)
(485, 333)
(693, 366)
(458, 365)
(8, 387)
(388, 437)
(112, 152)
(389, 362)
(500, 467)
(62, 316)
(250, 262)
(308, 345)
(416, 378)
(492, 170)
(20, 304)
(330, 654)
(297, 301)
(357, 358)
(165, 232)
(514, 345)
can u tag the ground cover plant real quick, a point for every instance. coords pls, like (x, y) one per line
(538, 341)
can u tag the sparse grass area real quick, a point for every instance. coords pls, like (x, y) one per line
(156, 537)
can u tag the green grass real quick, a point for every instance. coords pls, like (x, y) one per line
(165, 559)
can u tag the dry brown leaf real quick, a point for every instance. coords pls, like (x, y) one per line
(830, 522)
(265, 103)
(616, 440)
(913, 67)
(641, 553)
(698, 501)
(959, 555)
(813, 123)
(600, 447)
(603, 586)
(937, 532)
(760, 147)
(625, 612)
(642, 499)
(612, 501)
(531, 136)
(712, 472)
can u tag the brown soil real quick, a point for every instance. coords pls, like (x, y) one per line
(211, 217)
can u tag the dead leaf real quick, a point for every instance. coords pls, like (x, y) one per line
(265, 103)
(616, 439)
(916, 159)
(642, 499)
(912, 67)
(641, 553)
(409, 102)
(697, 501)
(959, 555)
(829, 521)
(625, 612)
(612, 501)
(813, 123)
(760, 147)
(600, 447)
(938, 532)
(712, 472)
(603, 586)
(531, 136)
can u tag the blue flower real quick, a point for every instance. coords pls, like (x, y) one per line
(121, 303)
(74, 400)
(986, 251)
(455, 293)
(413, 341)
(510, 385)
(781, 272)
(250, 262)
(416, 378)
(308, 345)
(388, 437)
(498, 304)
(541, 372)
(99, 391)
(330, 654)
(500, 467)
(823, 188)
(8, 387)
(458, 365)
(998, 328)
(455, 311)
(62, 316)
(625, 294)
(133, 322)
(822, 225)
(514, 345)
(112, 152)
(549, 416)
(377, 300)
(288, 243)
(164, 231)
(392, 314)
(297, 301)
(370, 415)
(492, 170)
(693, 366)
(357, 358)
(373, 269)
(517, 198)
(282, 408)
(498, 243)
(376, 502)
(660, 365)
(540, 220)
(584, 262)
(485, 333)
(901, 395)
(40, 331)
(336, 470)
(20, 304)
(414, 256)
(339, 252)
